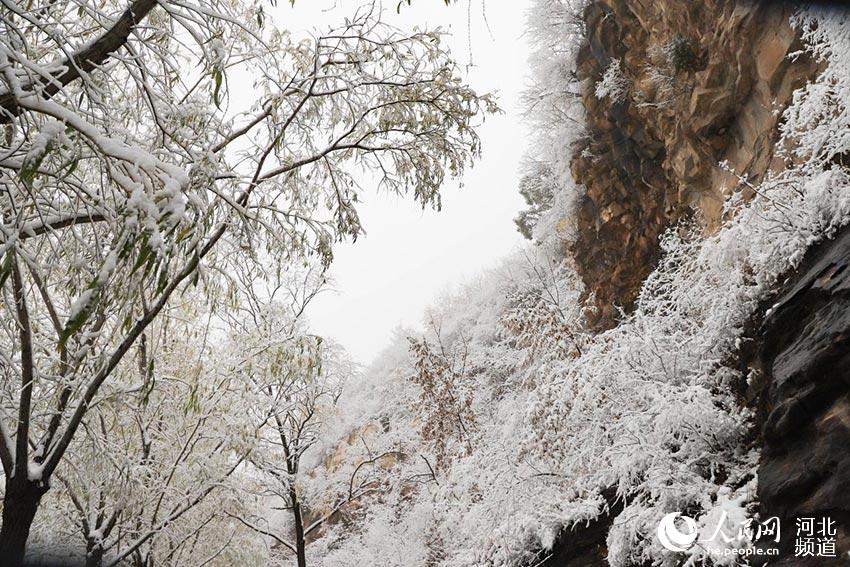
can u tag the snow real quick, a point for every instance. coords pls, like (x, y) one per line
(34, 472)
(52, 132)
(81, 303)
(642, 408)
(613, 84)
(559, 423)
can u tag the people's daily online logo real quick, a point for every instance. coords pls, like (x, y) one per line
(680, 533)
(673, 539)
(815, 537)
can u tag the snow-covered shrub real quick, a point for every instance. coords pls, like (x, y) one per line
(613, 84)
(538, 188)
(662, 76)
(445, 403)
(544, 312)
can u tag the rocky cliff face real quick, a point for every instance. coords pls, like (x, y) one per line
(805, 467)
(688, 85)
(683, 103)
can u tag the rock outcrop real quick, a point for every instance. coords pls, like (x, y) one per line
(805, 467)
(700, 84)
(585, 545)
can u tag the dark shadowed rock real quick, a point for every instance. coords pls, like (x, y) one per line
(805, 468)
(584, 544)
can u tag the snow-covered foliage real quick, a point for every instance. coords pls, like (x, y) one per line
(130, 173)
(555, 114)
(159, 458)
(222, 430)
(644, 417)
(613, 84)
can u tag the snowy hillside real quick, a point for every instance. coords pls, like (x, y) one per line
(516, 422)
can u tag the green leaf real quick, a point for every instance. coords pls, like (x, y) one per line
(150, 384)
(162, 282)
(186, 231)
(79, 319)
(218, 78)
(145, 255)
(6, 268)
(128, 322)
(193, 404)
(29, 168)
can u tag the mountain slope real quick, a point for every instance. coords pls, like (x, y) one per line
(688, 158)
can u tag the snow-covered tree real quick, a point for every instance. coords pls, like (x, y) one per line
(294, 380)
(445, 401)
(130, 170)
(167, 436)
(555, 113)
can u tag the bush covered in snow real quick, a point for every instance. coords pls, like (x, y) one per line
(613, 84)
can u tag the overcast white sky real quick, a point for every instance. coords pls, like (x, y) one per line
(409, 257)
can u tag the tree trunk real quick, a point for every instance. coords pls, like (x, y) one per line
(300, 544)
(19, 507)
(94, 554)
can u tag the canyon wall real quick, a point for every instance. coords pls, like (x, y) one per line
(695, 84)
(684, 103)
(805, 357)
